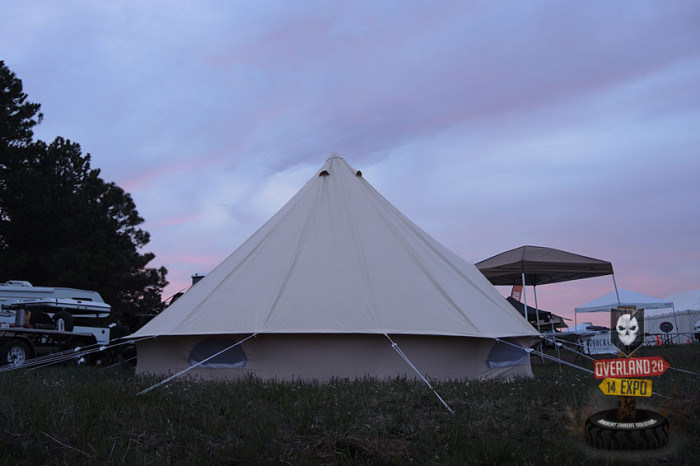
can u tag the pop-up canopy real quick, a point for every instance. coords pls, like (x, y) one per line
(540, 266)
(536, 265)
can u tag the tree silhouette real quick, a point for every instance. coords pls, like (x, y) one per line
(60, 223)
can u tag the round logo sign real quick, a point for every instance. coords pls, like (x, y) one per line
(666, 327)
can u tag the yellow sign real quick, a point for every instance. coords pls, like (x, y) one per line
(626, 387)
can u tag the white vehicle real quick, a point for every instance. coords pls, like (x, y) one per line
(77, 302)
(35, 320)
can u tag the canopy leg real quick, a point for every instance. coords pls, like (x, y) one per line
(617, 293)
(675, 320)
(537, 309)
(537, 317)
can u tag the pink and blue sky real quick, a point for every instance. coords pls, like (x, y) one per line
(573, 125)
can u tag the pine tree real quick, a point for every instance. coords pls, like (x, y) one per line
(60, 223)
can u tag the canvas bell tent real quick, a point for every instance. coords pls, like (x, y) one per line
(339, 283)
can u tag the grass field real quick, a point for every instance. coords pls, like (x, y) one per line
(89, 415)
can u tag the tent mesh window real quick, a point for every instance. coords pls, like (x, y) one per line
(505, 355)
(234, 357)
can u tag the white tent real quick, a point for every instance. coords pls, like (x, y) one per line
(339, 283)
(673, 327)
(626, 298)
(675, 324)
(686, 301)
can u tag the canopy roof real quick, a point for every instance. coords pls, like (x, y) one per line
(541, 266)
(688, 300)
(339, 258)
(627, 298)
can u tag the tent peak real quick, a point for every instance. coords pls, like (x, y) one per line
(335, 161)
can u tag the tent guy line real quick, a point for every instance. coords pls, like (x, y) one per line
(119, 363)
(197, 364)
(415, 369)
(394, 345)
(565, 344)
(545, 355)
(64, 356)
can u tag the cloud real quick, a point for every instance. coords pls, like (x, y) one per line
(491, 125)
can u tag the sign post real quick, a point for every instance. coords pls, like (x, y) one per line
(626, 387)
(628, 337)
(627, 428)
(650, 366)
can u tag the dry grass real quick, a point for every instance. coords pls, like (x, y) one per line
(78, 415)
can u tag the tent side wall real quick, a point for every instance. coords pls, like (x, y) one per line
(325, 356)
(686, 321)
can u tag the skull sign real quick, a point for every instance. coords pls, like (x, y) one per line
(627, 328)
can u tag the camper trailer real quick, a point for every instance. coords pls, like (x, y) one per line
(36, 320)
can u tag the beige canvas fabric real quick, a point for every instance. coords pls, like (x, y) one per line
(325, 356)
(339, 258)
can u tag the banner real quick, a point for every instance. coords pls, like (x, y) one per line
(599, 344)
(628, 325)
(516, 292)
